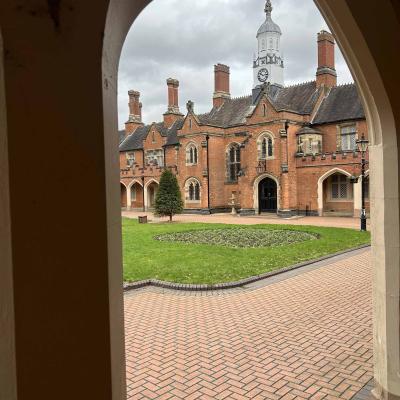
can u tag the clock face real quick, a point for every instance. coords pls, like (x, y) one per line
(263, 75)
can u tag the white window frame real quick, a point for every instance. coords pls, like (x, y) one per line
(342, 181)
(237, 162)
(155, 157)
(192, 158)
(130, 158)
(133, 190)
(270, 145)
(195, 182)
(347, 132)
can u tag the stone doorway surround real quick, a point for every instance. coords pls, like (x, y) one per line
(256, 184)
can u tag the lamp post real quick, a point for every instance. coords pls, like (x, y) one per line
(363, 147)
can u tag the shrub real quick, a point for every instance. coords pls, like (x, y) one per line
(169, 198)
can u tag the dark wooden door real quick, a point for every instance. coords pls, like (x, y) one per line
(268, 195)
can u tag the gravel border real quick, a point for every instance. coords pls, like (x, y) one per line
(128, 286)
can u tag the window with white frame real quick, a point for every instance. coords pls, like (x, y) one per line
(340, 187)
(193, 190)
(265, 147)
(133, 192)
(348, 137)
(233, 162)
(191, 154)
(130, 158)
(155, 158)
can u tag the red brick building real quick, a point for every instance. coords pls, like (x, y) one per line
(283, 149)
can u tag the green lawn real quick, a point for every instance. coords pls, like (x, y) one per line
(146, 257)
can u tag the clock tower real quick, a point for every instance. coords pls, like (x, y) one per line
(268, 63)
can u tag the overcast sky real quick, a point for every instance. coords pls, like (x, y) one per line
(184, 39)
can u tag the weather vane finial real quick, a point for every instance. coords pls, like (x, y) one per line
(268, 8)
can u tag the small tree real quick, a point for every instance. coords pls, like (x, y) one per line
(169, 199)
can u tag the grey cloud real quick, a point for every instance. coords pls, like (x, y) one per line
(184, 39)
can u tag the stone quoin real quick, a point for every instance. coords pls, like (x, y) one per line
(289, 150)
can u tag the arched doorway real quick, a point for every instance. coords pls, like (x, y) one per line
(150, 194)
(268, 196)
(123, 195)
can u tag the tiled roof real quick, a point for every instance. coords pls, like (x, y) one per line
(342, 104)
(300, 99)
(232, 112)
(173, 132)
(135, 140)
(121, 136)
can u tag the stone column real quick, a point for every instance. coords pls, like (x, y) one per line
(61, 300)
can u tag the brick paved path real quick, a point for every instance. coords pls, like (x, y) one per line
(336, 222)
(304, 337)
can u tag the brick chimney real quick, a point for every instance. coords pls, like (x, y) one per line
(173, 112)
(326, 72)
(135, 112)
(222, 91)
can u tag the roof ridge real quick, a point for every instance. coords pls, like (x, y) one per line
(241, 97)
(299, 84)
(346, 84)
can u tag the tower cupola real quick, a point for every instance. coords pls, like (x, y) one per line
(268, 62)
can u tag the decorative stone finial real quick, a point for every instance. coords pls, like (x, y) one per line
(190, 106)
(268, 8)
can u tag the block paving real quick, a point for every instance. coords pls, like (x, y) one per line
(306, 337)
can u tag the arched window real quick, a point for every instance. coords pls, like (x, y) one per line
(233, 162)
(263, 44)
(191, 154)
(133, 192)
(193, 190)
(264, 110)
(265, 147)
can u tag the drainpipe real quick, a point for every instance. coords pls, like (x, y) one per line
(165, 158)
(208, 175)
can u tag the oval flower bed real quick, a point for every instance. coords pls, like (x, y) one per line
(239, 237)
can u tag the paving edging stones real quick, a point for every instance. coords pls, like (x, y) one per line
(231, 285)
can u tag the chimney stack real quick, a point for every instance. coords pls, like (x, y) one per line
(326, 72)
(135, 112)
(222, 91)
(173, 112)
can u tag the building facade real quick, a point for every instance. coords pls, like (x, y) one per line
(289, 150)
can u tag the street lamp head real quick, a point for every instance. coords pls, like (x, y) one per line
(362, 144)
(353, 179)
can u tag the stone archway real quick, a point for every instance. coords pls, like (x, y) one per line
(124, 196)
(322, 181)
(85, 114)
(135, 195)
(150, 192)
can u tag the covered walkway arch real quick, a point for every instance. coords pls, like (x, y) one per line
(47, 339)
